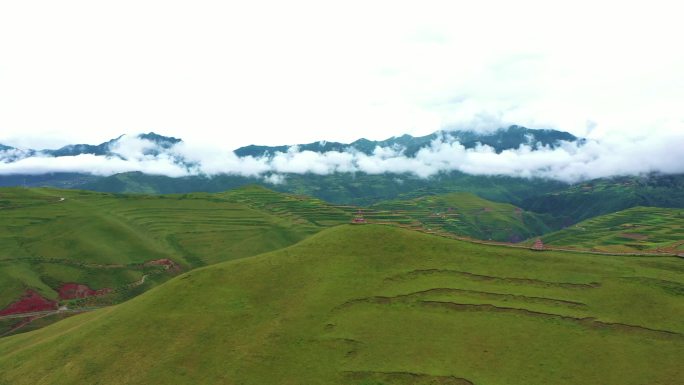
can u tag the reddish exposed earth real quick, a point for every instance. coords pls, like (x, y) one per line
(30, 302)
(168, 263)
(77, 290)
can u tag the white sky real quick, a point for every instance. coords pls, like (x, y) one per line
(230, 73)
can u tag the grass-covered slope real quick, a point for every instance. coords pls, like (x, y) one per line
(378, 305)
(468, 215)
(604, 196)
(632, 230)
(49, 237)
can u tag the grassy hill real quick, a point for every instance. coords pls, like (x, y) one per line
(632, 230)
(378, 305)
(50, 237)
(468, 215)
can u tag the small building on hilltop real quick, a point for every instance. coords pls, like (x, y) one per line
(358, 218)
(538, 245)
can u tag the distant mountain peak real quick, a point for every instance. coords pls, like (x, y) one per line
(504, 138)
(164, 141)
(104, 149)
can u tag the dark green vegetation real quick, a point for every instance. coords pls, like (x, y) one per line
(378, 305)
(339, 188)
(632, 230)
(603, 196)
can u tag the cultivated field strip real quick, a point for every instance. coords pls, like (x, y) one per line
(635, 229)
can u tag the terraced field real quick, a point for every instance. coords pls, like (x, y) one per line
(371, 305)
(637, 229)
(461, 214)
(466, 215)
(50, 237)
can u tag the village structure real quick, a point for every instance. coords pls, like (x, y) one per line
(358, 218)
(538, 245)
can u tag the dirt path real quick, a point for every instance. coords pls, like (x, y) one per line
(138, 282)
(46, 313)
(30, 317)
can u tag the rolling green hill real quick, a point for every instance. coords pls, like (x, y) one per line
(378, 305)
(560, 204)
(468, 215)
(103, 240)
(632, 230)
(51, 237)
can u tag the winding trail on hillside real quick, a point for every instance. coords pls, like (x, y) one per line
(33, 316)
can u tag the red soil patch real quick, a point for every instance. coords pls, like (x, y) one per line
(165, 262)
(77, 290)
(30, 302)
(637, 237)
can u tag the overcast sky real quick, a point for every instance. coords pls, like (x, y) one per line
(234, 73)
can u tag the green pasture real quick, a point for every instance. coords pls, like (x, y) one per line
(372, 304)
(50, 236)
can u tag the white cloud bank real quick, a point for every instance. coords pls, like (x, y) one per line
(273, 72)
(569, 162)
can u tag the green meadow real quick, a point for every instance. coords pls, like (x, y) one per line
(371, 305)
(49, 236)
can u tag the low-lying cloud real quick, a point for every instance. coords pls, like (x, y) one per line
(568, 162)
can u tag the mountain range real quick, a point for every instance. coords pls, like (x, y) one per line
(502, 139)
(103, 149)
(564, 203)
